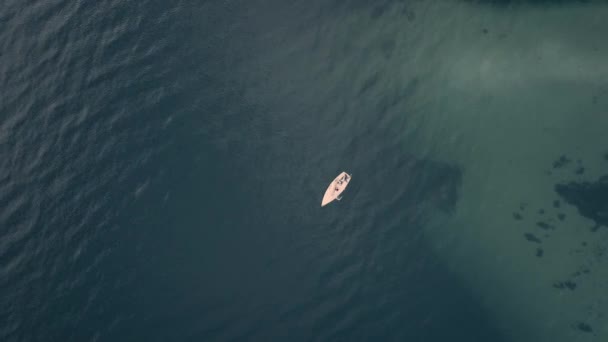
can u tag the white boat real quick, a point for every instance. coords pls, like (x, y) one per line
(336, 188)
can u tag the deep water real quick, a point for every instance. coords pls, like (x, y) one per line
(160, 180)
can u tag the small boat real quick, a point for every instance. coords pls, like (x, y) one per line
(336, 188)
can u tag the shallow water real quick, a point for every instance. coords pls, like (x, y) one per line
(163, 166)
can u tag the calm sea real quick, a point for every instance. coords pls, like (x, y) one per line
(163, 162)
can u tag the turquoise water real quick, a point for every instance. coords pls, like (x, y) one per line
(163, 166)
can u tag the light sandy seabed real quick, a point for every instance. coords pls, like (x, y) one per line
(504, 110)
(503, 105)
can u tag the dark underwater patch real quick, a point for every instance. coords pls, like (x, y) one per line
(439, 190)
(590, 198)
(584, 327)
(582, 270)
(444, 182)
(568, 284)
(545, 225)
(561, 162)
(532, 238)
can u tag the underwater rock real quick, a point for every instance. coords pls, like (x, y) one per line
(545, 225)
(556, 204)
(569, 284)
(541, 211)
(580, 170)
(562, 161)
(591, 199)
(532, 238)
(584, 327)
(599, 251)
(581, 271)
(539, 252)
(561, 216)
(517, 216)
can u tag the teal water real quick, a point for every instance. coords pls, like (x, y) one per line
(164, 162)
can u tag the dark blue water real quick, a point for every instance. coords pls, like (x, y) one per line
(162, 169)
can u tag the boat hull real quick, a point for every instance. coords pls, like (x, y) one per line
(335, 188)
